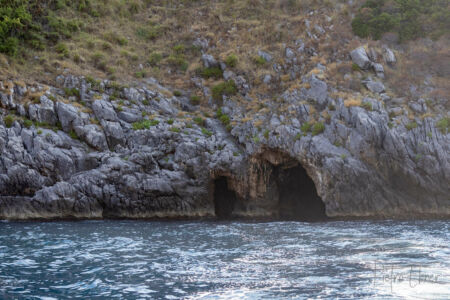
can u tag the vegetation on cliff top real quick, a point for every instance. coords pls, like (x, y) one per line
(410, 19)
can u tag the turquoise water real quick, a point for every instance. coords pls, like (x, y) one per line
(224, 260)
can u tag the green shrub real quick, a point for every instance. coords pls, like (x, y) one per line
(231, 60)
(175, 129)
(225, 88)
(73, 135)
(62, 49)
(199, 121)
(355, 67)
(266, 134)
(144, 124)
(178, 61)
(306, 127)
(206, 132)
(225, 119)
(410, 19)
(73, 92)
(155, 58)
(170, 121)
(259, 60)
(27, 123)
(149, 33)
(179, 49)
(411, 125)
(140, 74)
(9, 120)
(443, 125)
(212, 72)
(195, 100)
(177, 93)
(318, 128)
(32, 24)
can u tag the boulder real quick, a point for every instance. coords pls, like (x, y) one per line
(375, 86)
(209, 61)
(68, 116)
(359, 57)
(104, 110)
(44, 112)
(389, 56)
(93, 135)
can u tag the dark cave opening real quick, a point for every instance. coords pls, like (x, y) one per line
(224, 198)
(298, 198)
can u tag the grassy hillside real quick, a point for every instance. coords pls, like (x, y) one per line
(130, 40)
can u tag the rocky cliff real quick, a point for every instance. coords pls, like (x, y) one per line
(95, 149)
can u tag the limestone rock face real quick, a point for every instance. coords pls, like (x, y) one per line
(134, 157)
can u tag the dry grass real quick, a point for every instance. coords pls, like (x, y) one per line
(352, 102)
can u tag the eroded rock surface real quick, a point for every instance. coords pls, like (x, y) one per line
(141, 154)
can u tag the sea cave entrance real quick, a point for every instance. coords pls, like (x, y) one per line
(224, 198)
(297, 195)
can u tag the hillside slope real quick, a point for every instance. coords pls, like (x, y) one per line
(156, 108)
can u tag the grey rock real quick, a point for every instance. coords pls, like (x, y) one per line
(209, 61)
(104, 110)
(267, 78)
(318, 91)
(267, 57)
(68, 116)
(375, 86)
(227, 75)
(201, 43)
(290, 53)
(379, 70)
(389, 56)
(129, 117)
(93, 135)
(359, 57)
(44, 112)
(114, 133)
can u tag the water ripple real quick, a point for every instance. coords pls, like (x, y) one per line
(227, 260)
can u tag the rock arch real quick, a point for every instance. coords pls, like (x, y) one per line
(289, 192)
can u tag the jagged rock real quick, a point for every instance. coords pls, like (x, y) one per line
(202, 43)
(114, 133)
(361, 163)
(93, 135)
(209, 61)
(68, 116)
(129, 117)
(318, 91)
(373, 55)
(133, 94)
(419, 108)
(375, 86)
(104, 110)
(319, 29)
(379, 70)
(359, 57)
(44, 112)
(389, 56)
